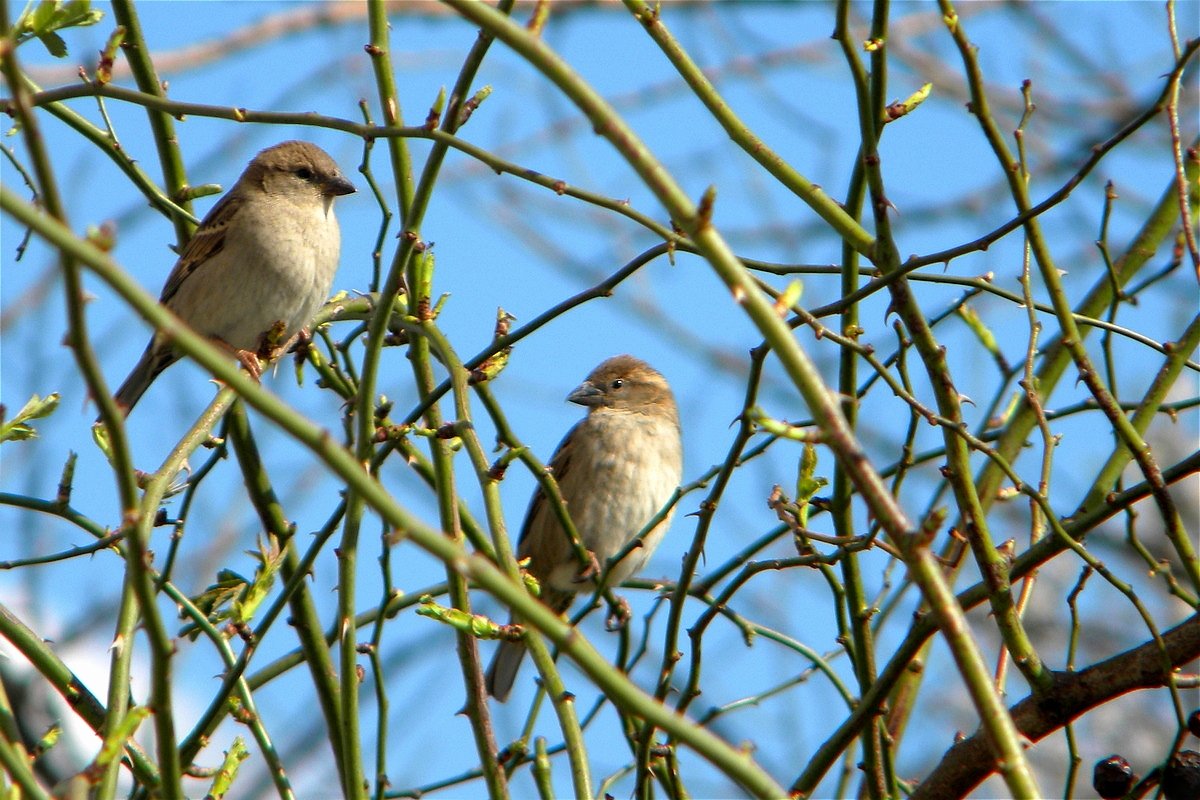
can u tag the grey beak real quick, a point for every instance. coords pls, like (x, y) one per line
(337, 186)
(585, 394)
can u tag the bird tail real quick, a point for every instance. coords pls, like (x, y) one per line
(154, 360)
(502, 672)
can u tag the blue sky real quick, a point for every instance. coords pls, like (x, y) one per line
(502, 242)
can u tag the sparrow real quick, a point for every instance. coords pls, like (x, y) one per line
(259, 266)
(615, 469)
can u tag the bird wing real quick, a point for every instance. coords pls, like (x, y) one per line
(206, 242)
(539, 505)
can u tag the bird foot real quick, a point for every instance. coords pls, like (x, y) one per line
(589, 572)
(619, 615)
(251, 362)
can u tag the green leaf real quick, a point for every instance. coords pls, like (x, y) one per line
(36, 408)
(807, 485)
(269, 560)
(217, 600)
(50, 16)
(229, 585)
(80, 14)
(39, 20)
(54, 44)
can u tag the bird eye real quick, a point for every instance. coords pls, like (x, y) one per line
(304, 173)
(617, 384)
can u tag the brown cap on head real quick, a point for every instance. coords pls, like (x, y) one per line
(623, 382)
(307, 161)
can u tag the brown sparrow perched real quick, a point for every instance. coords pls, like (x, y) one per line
(260, 264)
(616, 469)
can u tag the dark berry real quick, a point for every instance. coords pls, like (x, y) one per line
(1181, 779)
(1112, 777)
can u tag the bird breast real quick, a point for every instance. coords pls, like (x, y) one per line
(284, 272)
(621, 473)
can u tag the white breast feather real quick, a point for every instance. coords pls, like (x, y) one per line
(638, 488)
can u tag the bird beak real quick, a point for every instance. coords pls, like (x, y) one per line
(585, 394)
(337, 186)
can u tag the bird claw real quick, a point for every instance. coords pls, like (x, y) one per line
(589, 572)
(619, 615)
(251, 362)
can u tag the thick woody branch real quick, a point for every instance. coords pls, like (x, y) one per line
(969, 762)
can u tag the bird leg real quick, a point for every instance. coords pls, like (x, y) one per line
(247, 358)
(590, 571)
(270, 346)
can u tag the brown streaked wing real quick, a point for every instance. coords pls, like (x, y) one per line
(206, 242)
(558, 468)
